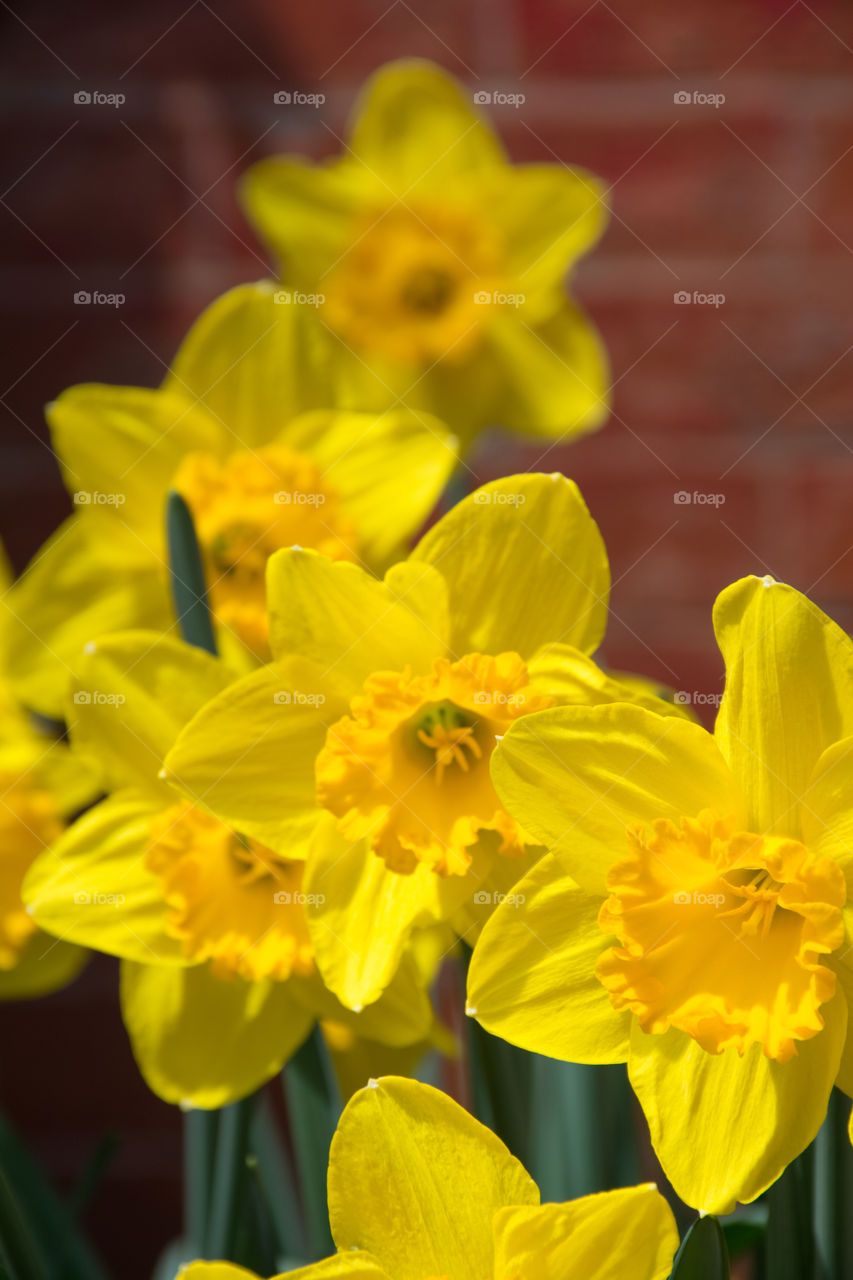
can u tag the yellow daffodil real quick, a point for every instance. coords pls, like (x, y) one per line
(365, 746)
(219, 985)
(693, 917)
(440, 267)
(419, 1190)
(41, 787)
(242, 429)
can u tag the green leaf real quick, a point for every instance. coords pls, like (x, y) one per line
(703, 1254)
(313, 1108)
(189, 591)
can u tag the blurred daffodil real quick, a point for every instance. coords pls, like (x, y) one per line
(420, 1190)
(242, 429)
(365, 746)
(219, 984)
(694, 918)
(41, 788)
(439, 266)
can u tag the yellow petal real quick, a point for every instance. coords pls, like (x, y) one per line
(85, 581)
(206, 1041)
(349, 623)
(826, 808)
(253, 364)
(549, 215)
(415, 129)
(577, 777)
(629, 1232)
(842, 964)
(248, 755)
(45, 964)
(134, 692)
(532, 976)
(788, 696)
(306, 212)
(724, 1127)
(388, 504)
(416, 1180)
(215, 1271)
(345, 1266)
(363, 914)
(525, 565)
(574, 678)
(92, 887)
(120, 447)
(402, 1016)
(551, 378)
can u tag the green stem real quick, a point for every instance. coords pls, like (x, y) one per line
(833, 1179)
(189, 592)
(16, 1245)
(790, 1238)
(199, 1151)
(314, 1106)
(501, 1080)
(228, 1175)
(276, 1184)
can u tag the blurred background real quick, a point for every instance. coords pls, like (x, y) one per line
(725, 133)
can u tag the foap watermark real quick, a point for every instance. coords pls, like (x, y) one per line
(96, 98)
(293, 698)
(296, 498)
(499, 499)
(498, 98)
(484, 898)
(96, 298)
(699, 899)
(684, 298)
(94, 498)
(696, 98)
(286, 898)
(86, 899)
(682, 498)
(293, 298)
(94, 698)
(696, 698)
(494, 298)
(496, 698)
(295, 98)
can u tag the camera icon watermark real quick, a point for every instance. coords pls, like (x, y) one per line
(684, 698)
(286, 898)
(494, 298)
(293, 298)
(484, 898)
(95, 98)
(294, 98)
(86, 298)
(695, 98)
(94, 698)
(498, 98)
(482, 498)
(497, 698)
(94, 498)
(682, 498)
(294, 698)
(296, 498)
(85, 899)
(699, 899)
(684, 298)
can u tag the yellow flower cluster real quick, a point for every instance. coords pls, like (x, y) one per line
(404, 741)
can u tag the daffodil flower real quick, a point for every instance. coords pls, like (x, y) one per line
(440, 267)
(42, 786)
(219, 985)
(365, 746)
(242, 428)
(693, 917)
(420, 1190)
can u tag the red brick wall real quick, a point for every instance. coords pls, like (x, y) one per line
(750, 400)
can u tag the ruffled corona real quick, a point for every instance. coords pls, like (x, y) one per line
(246, 507)
(230, 900)
(412, 284)
(409, 767)
(29, 822)
(721, 934)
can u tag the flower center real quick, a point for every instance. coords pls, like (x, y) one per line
(231, 901)
(246, 507)
(29, 822)
(407, 286)
(721, 934)
(409, 766)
